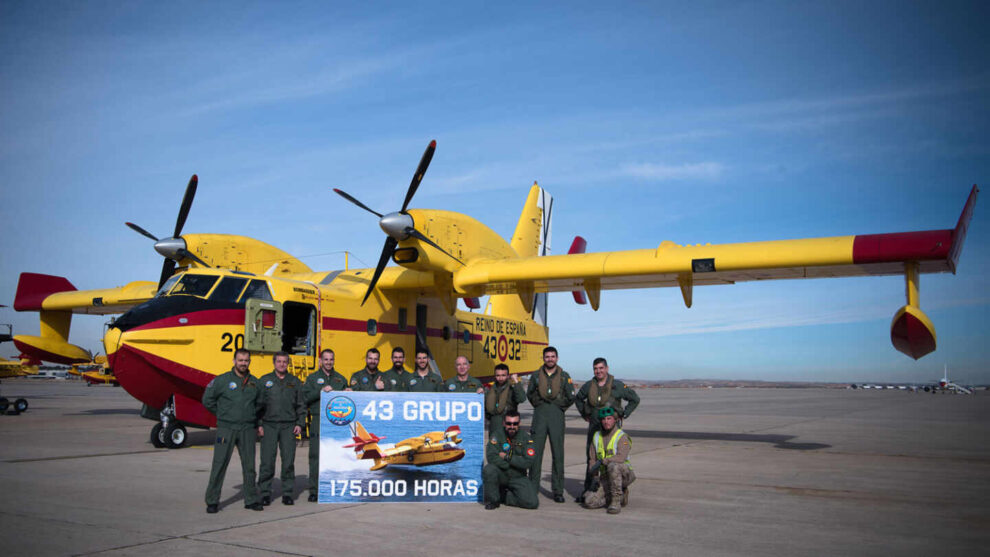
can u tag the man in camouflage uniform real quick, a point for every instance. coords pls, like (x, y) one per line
(551, 392)
(422, 380)
(283, 416)
(609, 456)
(510, 454)
(462, 382)
(603, 390)
(500, 396)
(325, 379)
(233, 397)
(372, 379)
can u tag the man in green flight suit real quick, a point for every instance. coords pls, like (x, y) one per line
(325, 379)
(551, 392)
(610, 450)
(398, 364)
(603, 390)
(372, 379)
(422, 380)
(283, 416)
(462, 382)
(510, 454)
(500, 396)
(233, 398)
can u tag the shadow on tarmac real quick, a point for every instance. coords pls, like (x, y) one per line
(778, 441)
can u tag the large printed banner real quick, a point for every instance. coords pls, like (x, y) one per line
(401, 447)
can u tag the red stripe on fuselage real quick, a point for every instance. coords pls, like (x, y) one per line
(902, 246)
(205, 317)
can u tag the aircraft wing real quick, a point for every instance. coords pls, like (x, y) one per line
(687, 266)
(400, 449)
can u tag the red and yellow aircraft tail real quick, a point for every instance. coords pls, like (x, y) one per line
(365, 444)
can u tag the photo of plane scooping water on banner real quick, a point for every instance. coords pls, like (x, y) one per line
(401, 447)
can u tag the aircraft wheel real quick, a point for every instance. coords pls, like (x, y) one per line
(175, 436)
(157, 436)
(4, 403)
(21, 404)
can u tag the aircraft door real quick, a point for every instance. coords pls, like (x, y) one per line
(262, 325)
(465, 345)
(299, 337)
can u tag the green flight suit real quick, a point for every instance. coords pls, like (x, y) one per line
(415, 383)
(455, 385)
(234, 401)
(608, 395)
(508, 474)
(282, 409)
(548, 421)
(311, 397)
(403, 375)
(364, 380)
(498, 400)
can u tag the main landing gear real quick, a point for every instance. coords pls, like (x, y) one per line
(168, 433)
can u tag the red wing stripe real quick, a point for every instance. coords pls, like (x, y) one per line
(902, 246)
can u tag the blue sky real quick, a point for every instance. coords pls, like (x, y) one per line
(648, 121)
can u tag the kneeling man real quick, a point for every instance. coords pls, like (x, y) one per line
(510, 455)
(609, 457)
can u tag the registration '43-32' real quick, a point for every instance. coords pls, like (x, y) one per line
(502, 348)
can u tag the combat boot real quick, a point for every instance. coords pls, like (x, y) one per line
(613, 509)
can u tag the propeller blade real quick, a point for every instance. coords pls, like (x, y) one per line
(387, 252)
(141, 231)
(186, 204)
(424, 163)
(191, 255)
(168, 268)
(419, 236)
(356, 202)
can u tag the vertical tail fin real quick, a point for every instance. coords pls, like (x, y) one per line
(531, 238)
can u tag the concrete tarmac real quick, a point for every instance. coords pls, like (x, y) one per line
(719, 472)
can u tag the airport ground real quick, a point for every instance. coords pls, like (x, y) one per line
(720, 472)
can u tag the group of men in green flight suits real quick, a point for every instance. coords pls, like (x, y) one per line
(514, 456)
(274, 408)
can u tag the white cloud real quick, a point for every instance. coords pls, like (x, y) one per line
(665, 172)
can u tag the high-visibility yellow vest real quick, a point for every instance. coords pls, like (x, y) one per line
(603, 452)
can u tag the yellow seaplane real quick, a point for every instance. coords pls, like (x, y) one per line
(435, 447)
(96, 372)
(218, 293)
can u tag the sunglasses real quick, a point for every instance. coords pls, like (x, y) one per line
(514, 424)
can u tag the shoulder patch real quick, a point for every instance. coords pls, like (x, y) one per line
(354, 381)
(531, 452)
(232, 386)
(494, 442)
(269, 383)
(321, 381)
(412, 381)
(451, 387)
(364, 379)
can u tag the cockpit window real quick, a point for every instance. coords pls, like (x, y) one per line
(257, 289)
(228, 290)
(194, 285)
(167, 286)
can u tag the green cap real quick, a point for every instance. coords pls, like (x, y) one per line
(607, 411)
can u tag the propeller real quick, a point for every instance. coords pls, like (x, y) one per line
(399, 225)
(174, 248)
